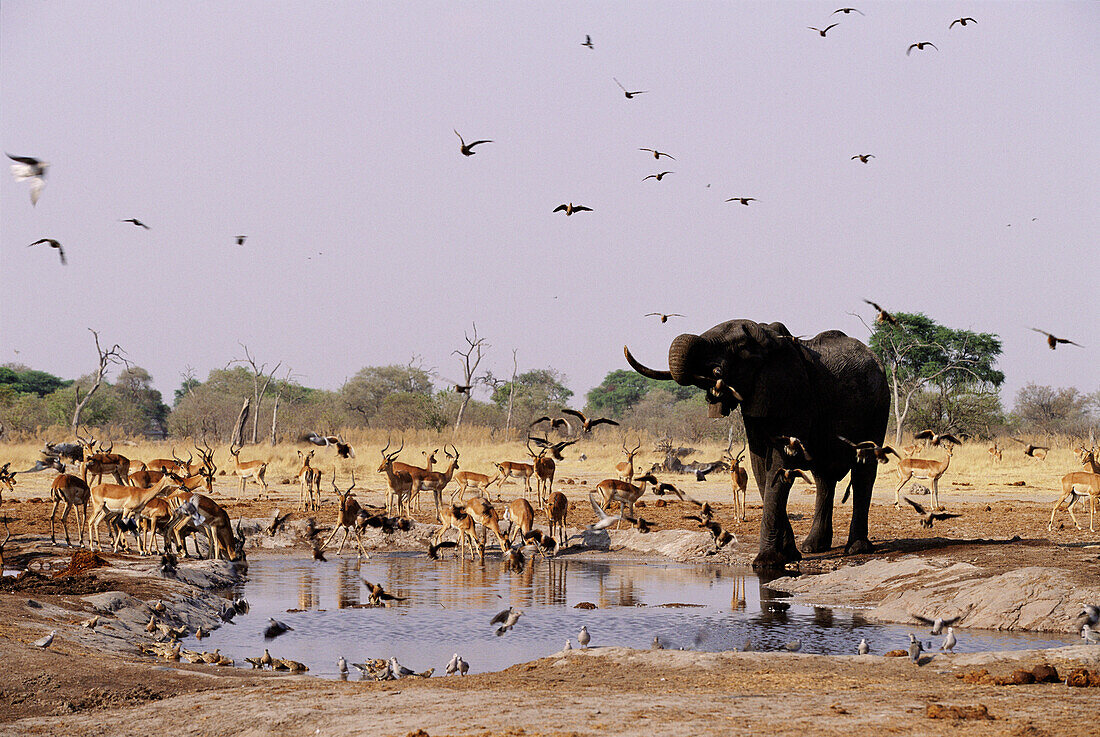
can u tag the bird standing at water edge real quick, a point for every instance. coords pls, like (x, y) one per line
(950, 641)
(864, 648)
(584, 638)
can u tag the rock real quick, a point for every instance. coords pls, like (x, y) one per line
(641, 502)
(1083, 678)
(584, 605)
(1018, 677)
(940, 711)
(976, 676)
(896, 654)
(660, 503)
(1045, 674)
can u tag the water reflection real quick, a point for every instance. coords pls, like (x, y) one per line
(448, 604)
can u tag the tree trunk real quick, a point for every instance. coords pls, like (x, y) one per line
(462, 410)
(237, 438)
(274, 419)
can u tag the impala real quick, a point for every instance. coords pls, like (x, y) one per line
(124, 500)
(544, 471)
(924, 469)
(436, 481)
(1087, 457)
(347, 517)
(208, 515)
(485, 515)
(309, 495)
(7, 479)
(73, 492)
(416, 473)
(145, 479)
(626, 468)
(1089, 483)
(254, 470)
(521, 515)
(557, 509)
(508, 469)
(103, 462)
(739, 480)
(611, 490)
(995, 453)
(400, 483)
(455, 516)
(155, 517)
(466, 479)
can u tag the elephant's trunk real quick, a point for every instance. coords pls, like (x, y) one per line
(684, 358)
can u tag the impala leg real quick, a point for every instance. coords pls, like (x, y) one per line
(897, 491)
(343, 540)
(330, 537)
(53, 513)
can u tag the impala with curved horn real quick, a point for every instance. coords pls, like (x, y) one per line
(817, 390)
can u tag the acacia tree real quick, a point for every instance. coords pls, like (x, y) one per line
(107, 357)
(921, 355)
(469, 358)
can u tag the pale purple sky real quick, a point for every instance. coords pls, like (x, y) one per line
(323, 131)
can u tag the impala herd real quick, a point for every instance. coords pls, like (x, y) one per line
(172, 497)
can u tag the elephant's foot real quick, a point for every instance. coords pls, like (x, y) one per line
(818, 541)
(859, 547)
(770, 559)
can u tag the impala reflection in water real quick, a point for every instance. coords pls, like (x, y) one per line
(448, 605)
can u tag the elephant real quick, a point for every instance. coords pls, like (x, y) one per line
(816, 390)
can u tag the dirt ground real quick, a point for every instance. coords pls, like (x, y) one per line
(76, 688)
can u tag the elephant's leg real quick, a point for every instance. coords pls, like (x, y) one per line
(777, 545)
(863, 483)
(820, 538)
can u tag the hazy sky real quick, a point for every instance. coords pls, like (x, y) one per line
(323, 131)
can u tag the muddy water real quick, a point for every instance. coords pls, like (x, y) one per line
(449, 604)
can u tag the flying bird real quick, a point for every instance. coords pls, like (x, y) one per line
(863, 157)
(378, 594)
(629, 95)
(658, 177)
(604, 520)
(1034, 451)
(790, 474)
(588, 42)
(53, 244)
(570, 208)
(433, 550)
(846, 11)
(463, 388)
(938, 623)
(658, 154)
(277, 521)
(506, 619)
(927, 517)
(240, 239)
(1052, 341)
(935, 439)
(743, 200)
(136, 222)
(30, 168)
(826, 29)
(919, 46)
(962, 22)
(869, 451)
(663, 316)
(555, 448)
(467, 149)
(792, 446)
(275, 628)
(586, 423)
(555, 422)
(883, 315)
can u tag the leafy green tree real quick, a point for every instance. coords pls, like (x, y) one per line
(538, 391)
(921, 356)
(364, 393)
(29, 381)
(622, 390)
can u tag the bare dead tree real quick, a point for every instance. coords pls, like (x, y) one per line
(112, 356)
(238, 426)
(511, 391)
(261, 378)
(275, 409)
(470, 358)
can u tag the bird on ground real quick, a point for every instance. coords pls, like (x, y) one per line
(1091, 613)
(378, 594)
(452, 665)
(658, 176)
(821, 31)
(663, 316)
(1052, 341)
(919, 46)
(506, 619)
(90, 623)
(927, 517)
(240, 239)
(938, 623)
(32, 169)
(1091, 637)
(588, 41)
(570, 208)
(52, 244)
(846, 11)
(277, 521)
(433, 549)
(721, 537)
(255, 663)
(275, 628)
(467, 149)
(241, 605)
(863, 157)
(792, 446)
(211, 658)
(136, 222)
(937, 439)
(656, 644)
(318, 554)
(863, 648)
(962, 22)
(629, 94)
(658, 154)
(159, 607)
(950, 641)
(152, 625)
(200, 633)
(168, 563)
(869, 451)
(1034, 451)
(743, 200)
(794, 646)
(399, 670)
(883, 316)
(915, 649)
(586, 423)
(266, 658)
(642, 526)
(463, 667)
(45, 641)
(583, 638)
(568, 645)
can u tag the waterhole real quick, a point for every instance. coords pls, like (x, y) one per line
(448, 605)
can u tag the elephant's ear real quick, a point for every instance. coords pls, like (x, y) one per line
(781, 388)
(767, 337)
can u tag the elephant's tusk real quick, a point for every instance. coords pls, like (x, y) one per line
(644, 370)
